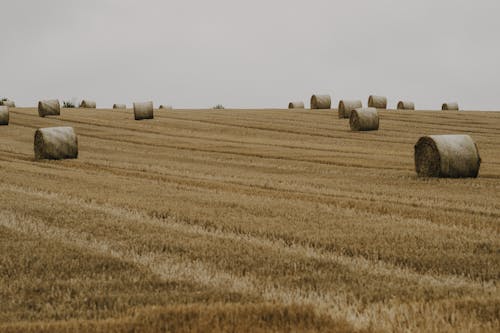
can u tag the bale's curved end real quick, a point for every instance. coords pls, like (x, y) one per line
(402, 105)
(378, 102)
(364, 119)
(346, 107)
(321, 102)
(55, 143)
(296, 105)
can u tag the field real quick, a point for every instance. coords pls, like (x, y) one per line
(246, 220)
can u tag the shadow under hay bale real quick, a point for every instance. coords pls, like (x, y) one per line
(321, 102)
(364, 119)
(296, 105)
(378, 102)
(406, 105)
(50, 107)
(447, 156)
(143, 110)
(4, 115)
(55, 143)
(86, 104)
(450, 107)
(346, 107)
(119, 106)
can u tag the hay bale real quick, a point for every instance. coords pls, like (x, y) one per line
(4, 115)
(378, 102)
(402, 105)
(166, 107)
(143, 110)
(296, 105)
(10, 104)
(321, 102)
(86, 104)
(450, 106)
(447, 156)
(364, 119)
(346, 107)
(55, 143)
(119, 106)
(49, 108)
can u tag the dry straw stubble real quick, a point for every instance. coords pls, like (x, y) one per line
(55, 143)
(4, 115)
(447, 156)
(346, 107)
(364, 119)
(50, 107)
(143, 110)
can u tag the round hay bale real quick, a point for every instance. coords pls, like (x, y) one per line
(49, 108)
(378, 102)
(364, 119)
(321, 102)
(86, 104)
(450, 106)
(402, 105)
(447, 156)
(4, 115)
(143, 110)
(10, 104)
(296, 105)
(55, 143)
(119, 106)
(166, 107)
(346, 107)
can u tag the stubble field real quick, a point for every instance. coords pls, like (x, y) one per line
(246, 220)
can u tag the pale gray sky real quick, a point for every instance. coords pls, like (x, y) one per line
(259, 53)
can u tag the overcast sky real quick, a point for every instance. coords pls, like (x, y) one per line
(254, 53)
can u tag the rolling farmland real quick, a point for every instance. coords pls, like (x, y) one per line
(247, 220)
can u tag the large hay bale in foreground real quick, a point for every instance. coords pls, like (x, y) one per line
(8, 103)
(450, 106)
(321, 102)
(56, 143)
(50, 107)
(296, 105)
(378, 102)
(402, 105)
(86, 104)
(447, 156)
(364, 119)
(143, 110)
(119, 106)
(346, 107)
(4, 115)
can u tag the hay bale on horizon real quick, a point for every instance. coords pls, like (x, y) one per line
(402, 105)
(166, 107)
(364, 119)
(9, 103)
(378, 102)
(87, 104)
(346, 107)
(321, 102)
(296, 105)
(55, 143)
(143, 110)
(447, 156)
(4, 115)
(450, 106)
(50, 107)
(119, 106)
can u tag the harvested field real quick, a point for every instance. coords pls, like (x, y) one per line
(247, 220)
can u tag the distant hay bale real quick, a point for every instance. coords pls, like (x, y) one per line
(55, 143)
(447, 156)
(364, 119)
(10, 104)
(4, 115)
(346, 107)
(49, 108)
(296, 105)
(321, 102)
(166, 107)
(450, 106)
(378, 102)
(143, 110)
(86, 104)
(119, 106)
(402, 105)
